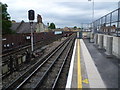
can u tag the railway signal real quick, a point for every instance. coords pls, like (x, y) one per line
(31, 17)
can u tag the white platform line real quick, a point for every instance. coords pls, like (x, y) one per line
(69, 79)
(95, 80)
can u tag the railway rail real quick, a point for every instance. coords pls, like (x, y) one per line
(20, 53)
(52, 63)
(51, 78)
(23, 48)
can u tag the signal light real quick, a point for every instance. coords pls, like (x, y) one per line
(31, 15)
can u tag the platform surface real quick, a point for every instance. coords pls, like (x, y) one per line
(91, 69)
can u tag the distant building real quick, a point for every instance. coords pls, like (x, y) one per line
(57, 29)
(66, 29)
(40, 27)
(24, 27)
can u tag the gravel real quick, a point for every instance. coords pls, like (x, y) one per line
(6, 81)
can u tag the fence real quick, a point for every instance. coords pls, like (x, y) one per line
(86, 27)
(108, 24)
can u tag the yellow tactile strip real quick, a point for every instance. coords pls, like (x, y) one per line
(79, 65)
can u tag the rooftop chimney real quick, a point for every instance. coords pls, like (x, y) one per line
(39, 19)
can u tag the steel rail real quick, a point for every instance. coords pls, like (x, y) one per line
(45, 74)
(23, 76)
(29, 77)
(42, 79)
(61, 68)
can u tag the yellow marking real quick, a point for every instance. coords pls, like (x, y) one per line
(79, 66)
(85, 81)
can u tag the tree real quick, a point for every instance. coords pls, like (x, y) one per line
(6, 23)
(75, 27)
(13, 21)
(52, 26)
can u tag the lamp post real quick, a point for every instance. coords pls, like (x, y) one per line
(31, 17)
(92, 32)
(119, 4)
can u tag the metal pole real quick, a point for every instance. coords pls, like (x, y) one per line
(92, 24)
(118, 21)
(93, 12)
(31, 37)
(81, 26)
(93, 15)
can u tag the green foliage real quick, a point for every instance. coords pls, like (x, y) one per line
(74, 27)
(6, 23)
(52, 26)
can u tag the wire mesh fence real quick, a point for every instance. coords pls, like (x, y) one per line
(108, 24)
(86, 27)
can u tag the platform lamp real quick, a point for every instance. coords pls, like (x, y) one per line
(31, 17)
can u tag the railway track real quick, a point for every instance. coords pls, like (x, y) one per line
(51, 80)
(37, 75)
(24, 47)
(21, 49)
(21, 53)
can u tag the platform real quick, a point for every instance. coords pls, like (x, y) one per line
(86, 68)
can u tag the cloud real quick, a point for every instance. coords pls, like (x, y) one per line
(62, 13)
(52, 1)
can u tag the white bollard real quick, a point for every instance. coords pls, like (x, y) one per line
(109, 46)
(100, 42)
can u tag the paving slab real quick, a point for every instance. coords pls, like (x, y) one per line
(108, 67)
(97, 70)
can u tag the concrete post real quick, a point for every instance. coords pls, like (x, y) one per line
(91, 37)
(100, 42)
(109, 46)
(105, 41)
(96, 39)
(116, 46)
(78, 35)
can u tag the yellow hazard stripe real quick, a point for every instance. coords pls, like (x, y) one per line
(79, 65)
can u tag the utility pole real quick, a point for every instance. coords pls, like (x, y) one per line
(92, 32)
(119, 4)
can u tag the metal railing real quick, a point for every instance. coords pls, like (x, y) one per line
(86, 27)
(108, 24)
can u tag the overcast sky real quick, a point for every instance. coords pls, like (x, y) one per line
(62, 12)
